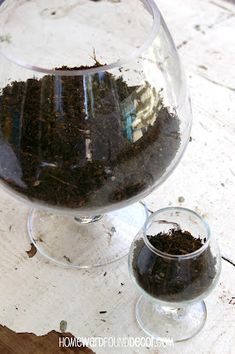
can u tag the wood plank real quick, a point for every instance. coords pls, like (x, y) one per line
(27, 343)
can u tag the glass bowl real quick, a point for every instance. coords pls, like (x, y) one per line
(94, 115)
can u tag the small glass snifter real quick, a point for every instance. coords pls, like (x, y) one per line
(173, 286)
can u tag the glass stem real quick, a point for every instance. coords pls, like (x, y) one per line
(174, 313)
(87, 219)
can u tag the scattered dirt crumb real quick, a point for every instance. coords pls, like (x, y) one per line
(203, 67)
(181, 199)
(33, 250)
(67, 259)
(63, 326)
(199, 29)
(182, 44)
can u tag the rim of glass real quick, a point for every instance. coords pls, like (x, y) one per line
(151, 5)
(175, 256)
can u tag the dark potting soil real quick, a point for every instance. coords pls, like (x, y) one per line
(84, 141)
(173, 280)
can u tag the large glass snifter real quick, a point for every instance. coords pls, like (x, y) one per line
(94, 115)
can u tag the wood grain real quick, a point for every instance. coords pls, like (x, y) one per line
(28, 343)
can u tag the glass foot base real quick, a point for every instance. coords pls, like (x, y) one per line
(70, 242)
(177, 324)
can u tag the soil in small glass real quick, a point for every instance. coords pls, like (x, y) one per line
(84, 141)
(173, 280)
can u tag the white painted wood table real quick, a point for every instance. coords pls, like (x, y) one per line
(35, 296)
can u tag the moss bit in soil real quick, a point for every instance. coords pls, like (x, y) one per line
(170, 279)
(84, 141)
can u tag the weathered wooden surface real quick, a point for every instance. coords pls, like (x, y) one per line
(35, 295)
